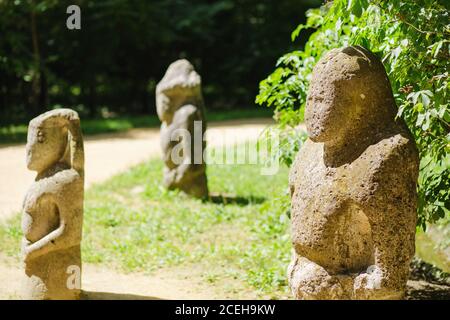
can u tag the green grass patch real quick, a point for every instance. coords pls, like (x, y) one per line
(17, 133)
(433, 246)
(131, 223)
(11, 235)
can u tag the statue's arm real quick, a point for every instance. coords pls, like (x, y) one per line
(185, 118)
(167, 144)
(68, 232)
(44, 245)
(392, 216)
(304, 156)
(64, 236)
(194, 171)
(181, 125)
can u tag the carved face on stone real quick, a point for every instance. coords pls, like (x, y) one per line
(346, 94)
(46, 144)
(169, 101)
(180, 85)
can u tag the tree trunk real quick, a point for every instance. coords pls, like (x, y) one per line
(91, 100)
(145, 107)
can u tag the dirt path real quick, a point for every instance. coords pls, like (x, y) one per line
(109, 154)
(179, 283)
(105, 284)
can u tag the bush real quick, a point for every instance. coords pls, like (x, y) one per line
(412, 39)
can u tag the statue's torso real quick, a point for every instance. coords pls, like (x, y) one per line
(329, 224)
(183, 119)
(43, 202)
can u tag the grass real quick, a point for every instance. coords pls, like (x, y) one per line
(133, 224)
(18, 133)
(433, 246)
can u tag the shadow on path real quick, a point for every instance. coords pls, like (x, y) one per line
(421, 290)
(97, 295)
(232, 199)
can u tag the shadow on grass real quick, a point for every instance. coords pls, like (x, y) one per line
(428, 291)
(97, 295)
(234, 200)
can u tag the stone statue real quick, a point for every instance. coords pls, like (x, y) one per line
(53, 207)
(180, 108)
(353, 185)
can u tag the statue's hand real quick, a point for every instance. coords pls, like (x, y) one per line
(169, 177)
(29, 252)
(24, 248)
(368, 285)
(55, 240)
(374, 284)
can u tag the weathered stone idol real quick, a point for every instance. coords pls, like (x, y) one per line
(180, 107)
(53, 207)
(353, 185)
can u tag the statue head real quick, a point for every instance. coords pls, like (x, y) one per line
(349, 94)
(54, 137)
(180, 85)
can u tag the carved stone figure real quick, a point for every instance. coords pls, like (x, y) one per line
(53, 207)
(353, 185)
(180, 107)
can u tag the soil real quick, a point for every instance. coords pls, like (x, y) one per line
(183, 282)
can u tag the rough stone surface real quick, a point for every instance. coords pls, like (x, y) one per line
(180, 107)
(53, 207)
(353, 185)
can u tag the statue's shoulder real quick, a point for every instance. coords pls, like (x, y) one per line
(309, 155)
(396, 153)
(309, 150)
(52, 185)
(65, 177)
(397, 147)
(187, 112)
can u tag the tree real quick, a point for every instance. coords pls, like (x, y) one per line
(124, 46)
(412, 39)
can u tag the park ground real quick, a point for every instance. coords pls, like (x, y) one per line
(108, 153)
(143, 242)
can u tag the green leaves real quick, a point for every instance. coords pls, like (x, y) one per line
(421, 101)
(411, 37)
(297, 30)
(435, 48)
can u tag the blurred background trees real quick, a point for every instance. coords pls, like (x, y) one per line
(113, 63)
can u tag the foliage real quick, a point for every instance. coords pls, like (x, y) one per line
(412, 38)
(124, 47)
